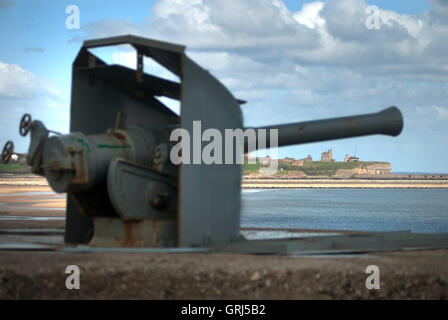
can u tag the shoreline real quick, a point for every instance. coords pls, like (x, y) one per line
(342, 184)
(20, 181)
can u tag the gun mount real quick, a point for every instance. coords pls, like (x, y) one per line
(122, 189)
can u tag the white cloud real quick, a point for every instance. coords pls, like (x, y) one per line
(309, 15)
(442, 113)
(16, 82)
(34, 49)
(21, 91)
(330, 33)
(129, 60)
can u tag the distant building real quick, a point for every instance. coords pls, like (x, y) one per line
(301, 162)
(350, 159)
(292, 162)
(286, 161)
(327, 156)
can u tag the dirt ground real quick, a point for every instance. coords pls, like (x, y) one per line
(113, 275)
(41, 275)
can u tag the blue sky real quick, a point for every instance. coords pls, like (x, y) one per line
(324, 63)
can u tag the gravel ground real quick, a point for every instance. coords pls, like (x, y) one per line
(41, 275)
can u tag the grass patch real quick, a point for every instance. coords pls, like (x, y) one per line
(317, 168)
(9, 167)
(250, 168)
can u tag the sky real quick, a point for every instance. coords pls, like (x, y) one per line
(291, 60)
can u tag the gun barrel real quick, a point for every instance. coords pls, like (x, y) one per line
(388, 122)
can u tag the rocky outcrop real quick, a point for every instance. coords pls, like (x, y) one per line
(345, 173)
(377, 169)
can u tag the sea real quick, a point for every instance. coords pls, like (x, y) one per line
(415, 210)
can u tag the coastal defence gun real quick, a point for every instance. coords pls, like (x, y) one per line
(122, 188)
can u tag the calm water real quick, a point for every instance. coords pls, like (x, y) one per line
(417, 210)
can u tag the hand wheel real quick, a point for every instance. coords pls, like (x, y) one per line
(7, 152)
(25, 124)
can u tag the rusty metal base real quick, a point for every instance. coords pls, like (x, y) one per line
(114, 232)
